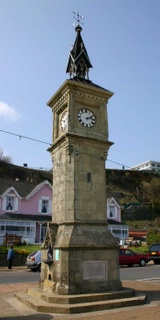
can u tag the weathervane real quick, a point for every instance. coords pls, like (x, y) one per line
(78, 18)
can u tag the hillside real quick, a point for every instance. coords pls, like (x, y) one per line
(12, 172)
(124, 184)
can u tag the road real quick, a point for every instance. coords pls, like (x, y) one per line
(15, 276)
(150, 271)
(136, 272)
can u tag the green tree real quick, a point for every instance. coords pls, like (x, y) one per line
(151, 194)
(153, 236)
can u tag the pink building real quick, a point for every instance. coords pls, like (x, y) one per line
(117, 228)
(25, 209)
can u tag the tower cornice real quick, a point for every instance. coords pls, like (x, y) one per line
(78, 87)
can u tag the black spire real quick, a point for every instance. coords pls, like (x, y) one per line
(78, 62)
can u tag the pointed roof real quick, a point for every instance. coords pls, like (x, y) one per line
(23, 189)
(78, 61)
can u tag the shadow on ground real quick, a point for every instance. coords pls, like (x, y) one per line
(37, 316)
(151, 289)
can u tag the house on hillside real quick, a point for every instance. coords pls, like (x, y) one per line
(119, 230)
(25, 209)
(149, 165)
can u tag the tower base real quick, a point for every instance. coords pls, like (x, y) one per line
(43, 301)
(85, 260)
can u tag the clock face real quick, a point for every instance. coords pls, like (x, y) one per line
(86, 118)
(64, 121)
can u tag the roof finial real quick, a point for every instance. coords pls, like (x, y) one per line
(78, 19)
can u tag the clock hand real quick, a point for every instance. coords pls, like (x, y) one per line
(89, 117)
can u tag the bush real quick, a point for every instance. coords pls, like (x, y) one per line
(27, 249)
(21, 251)
(153, 236)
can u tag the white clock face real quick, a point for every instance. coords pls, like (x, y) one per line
(86, 118)
(64, 121)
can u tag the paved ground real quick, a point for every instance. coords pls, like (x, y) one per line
(12, 309)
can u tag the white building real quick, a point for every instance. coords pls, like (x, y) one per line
(149, 165)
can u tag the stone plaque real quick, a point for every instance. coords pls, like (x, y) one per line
(94, 270)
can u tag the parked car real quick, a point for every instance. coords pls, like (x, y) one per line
(33, 261)
(154, 253)
(128, 257)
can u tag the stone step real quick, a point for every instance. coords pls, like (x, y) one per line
(64, 308)
(80, 298)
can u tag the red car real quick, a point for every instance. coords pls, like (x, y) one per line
(128, 257)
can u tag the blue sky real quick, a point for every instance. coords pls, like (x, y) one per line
(122, 40)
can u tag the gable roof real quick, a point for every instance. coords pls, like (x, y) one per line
(112, 200)
(22, 188)
(10, 190)
(38, 187)
(113, 196)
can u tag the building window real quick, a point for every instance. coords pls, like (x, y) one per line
(112, 212)
(89, 177)
(44, 205)
(10, 203)
(117, 232)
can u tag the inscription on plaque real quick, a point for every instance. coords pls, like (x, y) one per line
(94, 270)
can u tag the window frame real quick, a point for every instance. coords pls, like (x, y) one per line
(40, 205)
(15, 203)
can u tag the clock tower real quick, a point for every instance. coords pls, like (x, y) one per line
(85, 254)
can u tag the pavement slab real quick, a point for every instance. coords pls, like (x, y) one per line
(12, 309)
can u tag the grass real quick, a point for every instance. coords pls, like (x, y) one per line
(22, 249)
(28, 249)
(141, 249)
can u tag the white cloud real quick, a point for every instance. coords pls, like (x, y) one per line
(8, 112)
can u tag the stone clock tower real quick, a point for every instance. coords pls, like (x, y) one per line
(85, 254)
